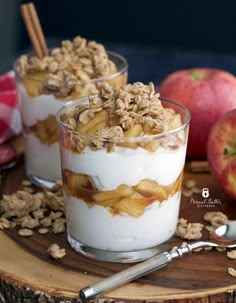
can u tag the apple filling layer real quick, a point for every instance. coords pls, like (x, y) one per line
(34, 84)
(130, 200)
(45, 130)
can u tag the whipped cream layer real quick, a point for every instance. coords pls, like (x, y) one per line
(96, 227)
(126, 166)
(42, 160)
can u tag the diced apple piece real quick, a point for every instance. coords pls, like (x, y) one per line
(133, 132)
(152, 190)
(131, 206)
(101, 116)
(175, 122)
(74, 181)
(34, 82)
(120, 192)
(152, 145)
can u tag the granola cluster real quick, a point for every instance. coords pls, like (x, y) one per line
(133, 110)
(189, 231)
(133, 104)
(55, 251)
(29, 210)
(65, 68)
(216, 219)
(190, 188)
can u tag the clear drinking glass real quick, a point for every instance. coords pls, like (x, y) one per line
(122, 201)
(38, 110)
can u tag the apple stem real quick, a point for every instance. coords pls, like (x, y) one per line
(230, 151)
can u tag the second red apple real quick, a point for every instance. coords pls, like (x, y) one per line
(221, 152)
(208, 94)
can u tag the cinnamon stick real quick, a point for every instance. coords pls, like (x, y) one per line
(38, 28)
(199, 166)
(34, 29)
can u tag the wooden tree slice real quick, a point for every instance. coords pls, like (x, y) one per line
(29, 274)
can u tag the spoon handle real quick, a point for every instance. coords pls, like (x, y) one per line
(125, 276)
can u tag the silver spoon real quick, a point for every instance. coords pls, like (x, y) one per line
(224, 237)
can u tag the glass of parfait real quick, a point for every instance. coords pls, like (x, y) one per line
(122, 154)
(74, 70)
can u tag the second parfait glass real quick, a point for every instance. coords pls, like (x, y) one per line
(38, 109)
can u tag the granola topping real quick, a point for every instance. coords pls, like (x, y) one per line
(66, 67)
(133, 110)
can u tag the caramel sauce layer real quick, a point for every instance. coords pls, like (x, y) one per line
(131, 200)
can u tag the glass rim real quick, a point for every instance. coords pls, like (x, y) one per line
(71, 104)
(120, 71)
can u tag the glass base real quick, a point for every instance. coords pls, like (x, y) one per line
(40, 182)
(117, 256)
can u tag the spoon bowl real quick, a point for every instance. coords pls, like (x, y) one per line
(225, 233)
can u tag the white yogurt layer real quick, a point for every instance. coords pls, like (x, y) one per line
(96, 227)
(34, 109)
(126, 165)
(42, 160)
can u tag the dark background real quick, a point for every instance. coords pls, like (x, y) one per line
(183, 24)
(156, 37)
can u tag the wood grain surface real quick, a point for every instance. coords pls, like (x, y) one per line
(28, 274)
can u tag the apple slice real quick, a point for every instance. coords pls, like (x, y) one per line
(221, 152)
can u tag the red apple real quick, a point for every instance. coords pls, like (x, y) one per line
(208, 94)
(221, 152)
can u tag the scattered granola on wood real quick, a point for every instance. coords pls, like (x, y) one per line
(231, 254)
(216, 218)
(232, 271)
(30, 211)
(189, 231)
(190, 188)
(56, 252)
